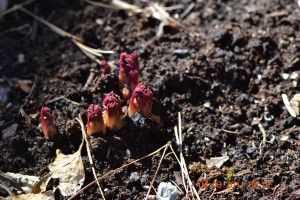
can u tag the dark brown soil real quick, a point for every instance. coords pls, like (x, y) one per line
(221, 71)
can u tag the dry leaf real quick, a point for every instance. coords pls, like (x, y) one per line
(26, 182)
(216, 161)
(49, 195)
(41, 185)
(295, 104)
(69, 170)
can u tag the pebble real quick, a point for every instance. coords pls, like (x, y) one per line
(167, 191)
(181, 51)
(4, 92)
(10, 131)
(134, 176)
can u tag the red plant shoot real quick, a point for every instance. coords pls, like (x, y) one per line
(47, 122)
(129, 71)
(95, 122)
(105, 67)
(141, 101)
(113, 114)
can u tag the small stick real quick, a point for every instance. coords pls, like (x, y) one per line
(118, 169)
(278, 14)
(60, 98)
(89, 80)
(262, 129)
(170, 8)
(15, 7)
(54, 28)
(187, 11)
(31, 92)
(161, 159)
(198, 78)
(90, 155)
(104, 5)
(236, 134)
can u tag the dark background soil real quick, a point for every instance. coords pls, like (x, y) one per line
(229, 73)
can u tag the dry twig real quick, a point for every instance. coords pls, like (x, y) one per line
(118, 169)
(89, 154)
(162, 157)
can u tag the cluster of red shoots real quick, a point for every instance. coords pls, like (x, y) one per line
(112, 117)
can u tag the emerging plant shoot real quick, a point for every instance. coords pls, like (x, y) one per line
(141, 101)
(95, 123)
(105, 68)
(47, 122)
(129, 71)
(113, 114)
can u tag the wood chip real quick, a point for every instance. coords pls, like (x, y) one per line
(23, 86)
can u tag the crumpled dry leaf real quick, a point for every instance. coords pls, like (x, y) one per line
(216, 161)
(41, 185)
(26, 182)
(49, 195)
(69, 170)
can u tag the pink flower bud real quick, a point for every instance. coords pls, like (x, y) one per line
(105, 67)
(95, 122)
(129, 70)
(141, 101)
(47, 122)
(113, 114)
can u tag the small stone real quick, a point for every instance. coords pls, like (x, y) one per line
(10, 131)
(4, 93)
(167, 191)
(136, 121)
(181, 51)
(134, 176)
(250, 150)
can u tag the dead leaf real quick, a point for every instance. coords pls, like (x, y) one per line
(216, 161)
(41, 185)
(295, 104)
(69, 170)
(26, 182)
(49, 195)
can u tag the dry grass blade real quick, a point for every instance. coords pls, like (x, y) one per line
(103, 5)
(154, 10)
(118, 169)
(161, 159)
(126, 6)
(181, 161)
(118, 5)
(91, 52)
(15, 7)
(161, 14)
(54, 28)
(288, 105)
(89, 154)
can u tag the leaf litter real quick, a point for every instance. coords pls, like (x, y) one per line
(68, 169)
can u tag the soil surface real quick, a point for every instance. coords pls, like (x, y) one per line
(224, 70)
